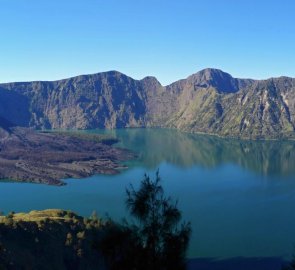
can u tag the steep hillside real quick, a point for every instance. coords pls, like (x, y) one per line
(210, 101)
(235, 107)
(50, 239)
(101, 100)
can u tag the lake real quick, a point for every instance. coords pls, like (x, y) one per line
(238, 195)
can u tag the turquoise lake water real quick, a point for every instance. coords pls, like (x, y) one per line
(238, 195)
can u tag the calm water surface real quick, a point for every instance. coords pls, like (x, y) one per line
(239, 195)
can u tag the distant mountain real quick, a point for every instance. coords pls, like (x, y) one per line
(210, 101)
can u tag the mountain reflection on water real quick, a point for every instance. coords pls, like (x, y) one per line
(238, 195)
(154, 146)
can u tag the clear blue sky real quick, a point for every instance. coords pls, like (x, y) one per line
(54, 39)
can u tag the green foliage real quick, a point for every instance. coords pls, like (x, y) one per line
(81, 235)
(8, 221)
(48, 239)
(10, 214)
(156, 240)
(69, 239)
(101, 138)
(121, 247)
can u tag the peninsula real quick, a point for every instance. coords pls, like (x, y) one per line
(47, 158)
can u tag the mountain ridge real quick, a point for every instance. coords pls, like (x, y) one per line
(148, 76)
(209, 101)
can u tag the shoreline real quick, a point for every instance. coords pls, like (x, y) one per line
(47, 158)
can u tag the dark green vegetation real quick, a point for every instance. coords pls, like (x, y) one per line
(209, 101)
(49, 239)
(157, 240)
(94, 137)
(291, 265)
(57, 239)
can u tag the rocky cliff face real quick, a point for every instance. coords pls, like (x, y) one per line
(209, 101)
(102, 100)
(212, 102)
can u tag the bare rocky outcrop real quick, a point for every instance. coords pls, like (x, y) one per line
(47, 158)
